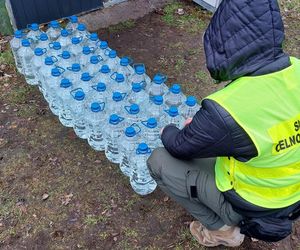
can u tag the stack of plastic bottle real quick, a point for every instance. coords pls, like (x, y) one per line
(107, 100)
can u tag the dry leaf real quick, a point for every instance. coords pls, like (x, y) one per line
(67, 198)
(166, 198)
(45, 197)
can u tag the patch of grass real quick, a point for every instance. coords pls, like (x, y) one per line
(19, 95)
(169, 16)
(92, 220)
(185, 238)
(122, 26)
(104, 235)
(6, 57)
(203, 76)
(180, 62)
(130, 233)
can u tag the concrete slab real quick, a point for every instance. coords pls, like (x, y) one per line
(132, 9)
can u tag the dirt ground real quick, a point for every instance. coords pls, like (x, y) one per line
(57, 193)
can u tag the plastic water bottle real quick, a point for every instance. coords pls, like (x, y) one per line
(94, 66)
(138, 95)
(112, 133)
(141, 180)
(86, 83)
(172, 116)
(74, 74)
(78, 108)
(81, 31)
(96, 116)
(33, 34)
(72, 24)
(64, 39)
(45, 71)
(16, 44)
(117, 103)
(119, 84)
(157, 107)
(100, 94)
(174, 97)
(158, 86)
(43, 41)
(54, 30)
(129, 141)
(92, 41)
(124, 68)
(65, 59)
(103, 50)
(64, 99)
(75, 48)
(151, 133)
(112, 60)
(26, 55)
(55, 49)
(85, 57)
(134, 115)
(37, 62)
(104, 75)
(140, 76)
(190, 107)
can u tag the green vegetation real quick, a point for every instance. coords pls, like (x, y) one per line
(5, 26)
(6, 57)
(122, 26)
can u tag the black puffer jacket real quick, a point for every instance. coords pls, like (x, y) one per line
(244, 38)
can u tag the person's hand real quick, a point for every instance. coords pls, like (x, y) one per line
(187, 121)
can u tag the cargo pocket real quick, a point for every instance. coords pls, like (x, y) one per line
(191, 184)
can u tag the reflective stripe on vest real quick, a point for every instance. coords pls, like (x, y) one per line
(267, 107)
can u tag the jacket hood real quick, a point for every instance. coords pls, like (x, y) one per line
(242, 37)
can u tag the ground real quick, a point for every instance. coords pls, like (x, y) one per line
(57, 193)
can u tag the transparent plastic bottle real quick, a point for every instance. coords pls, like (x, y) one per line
(104, 76)
(174, 97)
(64, 39)
(94, 66)
(119, 84)
(75, 48)
(96, 117)
(65, 59)
(100, 93)
(85, 56)
(103, 50)
(45, 71)
(112, 133)
(138, 95)
(81, 31)
(134, 114)
(190, 107)
(43, 41)
(72, 24)
(141, 180)
(112, 60)
(33, 34)
(16, 44)
(55, 49)
(124, 68)
(172, 116)
(86, 83)
(129, 141)
(157, 107)
(74, 74)
(37, 63)
(26, 55)
(63, 100)
(117, 103)
(54, 30)
(151, 133)
(158, 86)
(92, 40)
(78, 109)
(140, 76)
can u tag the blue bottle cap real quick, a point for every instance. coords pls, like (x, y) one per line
(191, 101)
(56, 45)
(134, 109)
(175, 89)
(130, 132)
(103, 45)
(120, 78)
(64, 33)
(124, 61)
(18, 34)
(81, 27)
(95, 107)
(49, 61)
(158, 100)
(94, 37)
(136, 87)
(55, 72)
(143, 148)
(151, 123)
(86, 50)
(158, 79)
(66, 55)
(65, 83)
(73, 19)
(34, 26)
(140, 70)
(112, 54)
(86, 77)
(79, 95)
(173, 111)
(38, 51)
(94, 60)
(114, 119)
(25, 43)
(105, 69)
(75, 67)
(43, 37)
(75, 40)
(117, 96)
(54, 24)
(101, 87)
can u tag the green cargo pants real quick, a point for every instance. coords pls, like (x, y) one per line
(192, 185)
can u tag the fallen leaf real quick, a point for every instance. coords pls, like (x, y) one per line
(115, 238)
(45, 197)
(254, 240)
(67, 198)
(166, 198)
